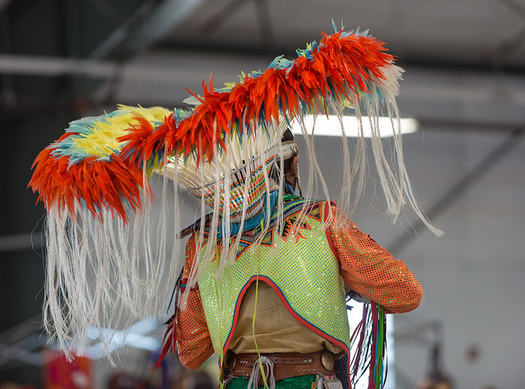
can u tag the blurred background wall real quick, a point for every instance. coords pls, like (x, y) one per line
(464, 83)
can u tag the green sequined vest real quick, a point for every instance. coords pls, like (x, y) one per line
(298, 263)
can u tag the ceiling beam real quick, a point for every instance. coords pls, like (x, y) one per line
(55, 66)
(122, 34)
(4, 4)
(222, 16)
(18, 242)
(147, 26)
(457, 96)
(108, 11)
(466, 183)
(162, 21)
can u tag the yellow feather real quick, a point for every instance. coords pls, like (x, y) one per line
(102, 141)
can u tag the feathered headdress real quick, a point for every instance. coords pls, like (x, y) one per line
(103, 250)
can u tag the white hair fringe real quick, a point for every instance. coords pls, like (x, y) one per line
(104, 274)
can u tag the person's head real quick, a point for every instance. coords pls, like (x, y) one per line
(262, 163)
(290, 171)
(290, 160)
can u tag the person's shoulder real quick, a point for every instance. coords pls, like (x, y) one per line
(294, 201)
(294, 204)
(196, 226)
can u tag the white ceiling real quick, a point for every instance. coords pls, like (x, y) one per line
(446, 31)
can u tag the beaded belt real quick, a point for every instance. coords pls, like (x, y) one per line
(284, 365)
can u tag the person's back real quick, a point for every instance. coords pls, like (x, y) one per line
(283, 300)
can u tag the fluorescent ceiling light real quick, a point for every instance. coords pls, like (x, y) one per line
(331, 126)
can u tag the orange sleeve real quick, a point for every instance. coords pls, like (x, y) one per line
(370, 270)
(193, 338)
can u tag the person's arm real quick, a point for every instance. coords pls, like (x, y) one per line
(370, 270)
(193, 338)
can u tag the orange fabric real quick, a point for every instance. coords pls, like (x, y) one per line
(370, 270)
(193, 338)
(366, 268)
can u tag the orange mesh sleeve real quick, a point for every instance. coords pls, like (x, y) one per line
(193, 338)
(370, 270)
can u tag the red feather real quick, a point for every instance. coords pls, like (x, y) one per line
(340, 64)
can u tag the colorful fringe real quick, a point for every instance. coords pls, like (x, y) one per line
(170, 336)
(369, 348)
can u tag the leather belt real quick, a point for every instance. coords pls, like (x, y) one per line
(285, 365)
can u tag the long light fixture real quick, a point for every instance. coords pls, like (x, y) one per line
(331, 126)
(110, 340)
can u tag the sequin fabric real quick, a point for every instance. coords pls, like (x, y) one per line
(303, 382)
(370, 270)
(298, 263)
(364, 265)
(193, 338)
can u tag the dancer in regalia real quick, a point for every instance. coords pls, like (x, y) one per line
(266, 273)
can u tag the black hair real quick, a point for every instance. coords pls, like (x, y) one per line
(287, 136)
(287, 164)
